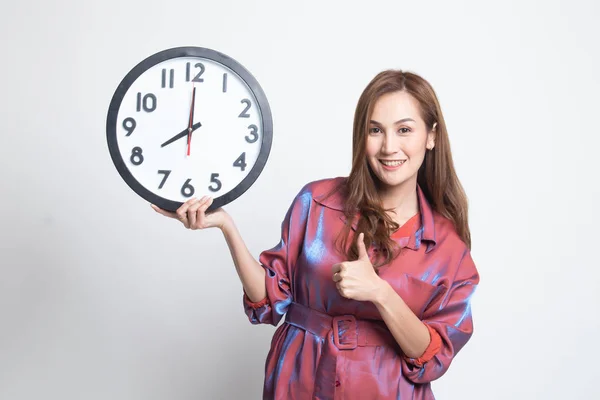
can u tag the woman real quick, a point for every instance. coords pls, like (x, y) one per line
(373, 272)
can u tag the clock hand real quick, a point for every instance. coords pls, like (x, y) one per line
(189, 141)
(181, 134)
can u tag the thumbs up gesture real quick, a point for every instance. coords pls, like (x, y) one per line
(357, 280)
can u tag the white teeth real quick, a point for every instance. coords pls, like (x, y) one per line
(392, 163)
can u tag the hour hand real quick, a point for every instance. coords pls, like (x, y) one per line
(181, 134)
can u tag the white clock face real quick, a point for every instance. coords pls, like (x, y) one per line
(227, 129)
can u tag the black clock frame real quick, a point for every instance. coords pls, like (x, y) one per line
(189, 51)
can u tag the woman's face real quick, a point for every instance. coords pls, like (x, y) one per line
(397, 139)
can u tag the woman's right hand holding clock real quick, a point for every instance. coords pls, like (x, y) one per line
(192, 214)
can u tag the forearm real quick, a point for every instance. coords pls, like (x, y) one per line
(409, 331)
(250, 272)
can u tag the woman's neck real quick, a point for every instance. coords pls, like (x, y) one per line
(401, 201)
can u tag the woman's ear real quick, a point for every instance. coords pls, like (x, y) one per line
(431, 137)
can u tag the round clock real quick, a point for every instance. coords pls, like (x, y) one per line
(189, 121)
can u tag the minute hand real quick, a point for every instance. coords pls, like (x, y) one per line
(181, 134)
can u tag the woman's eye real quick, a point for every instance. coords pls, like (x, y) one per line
(374, 130)
(404, 130)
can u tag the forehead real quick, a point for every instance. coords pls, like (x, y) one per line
(394, 106)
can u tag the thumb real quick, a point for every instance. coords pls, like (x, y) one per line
(362, 250)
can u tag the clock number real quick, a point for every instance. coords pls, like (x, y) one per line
(213, 179)
(224, 82)
(129, 125)
(147, 103)
(171, 78)
(136, 156)
(254, 134)
(166, 173)
(241, 162)
(197, 77)
(187, 190)
(243, 114)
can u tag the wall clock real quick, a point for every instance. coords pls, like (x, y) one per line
(189, 121)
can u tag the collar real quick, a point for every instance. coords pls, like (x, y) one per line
(335, 200)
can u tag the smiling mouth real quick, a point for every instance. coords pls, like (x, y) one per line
(392, 163)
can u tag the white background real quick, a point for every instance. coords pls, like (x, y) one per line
(102, 298)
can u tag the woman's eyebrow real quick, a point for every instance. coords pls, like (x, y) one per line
(395, 123)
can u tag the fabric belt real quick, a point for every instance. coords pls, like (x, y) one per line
(348, 332)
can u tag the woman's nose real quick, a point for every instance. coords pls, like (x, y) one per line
(389, 145)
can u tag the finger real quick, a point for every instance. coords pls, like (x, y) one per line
(201, 213)
(182, 215)
(362, 250)
(191, 212)
(191, 200)
(336, 268)
(206, 202)
(185, 221)
(337, 277)
(182, 210)
(209, 202)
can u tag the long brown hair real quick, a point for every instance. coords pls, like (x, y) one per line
(436, 177)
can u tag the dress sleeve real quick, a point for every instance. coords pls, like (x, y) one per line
(278, 263)
(451, 319)
(435, 344)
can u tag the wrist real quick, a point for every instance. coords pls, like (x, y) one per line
(227, 225)
(383, 292)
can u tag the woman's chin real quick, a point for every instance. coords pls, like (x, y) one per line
(392, 179)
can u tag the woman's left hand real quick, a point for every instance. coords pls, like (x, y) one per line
(358, 280)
